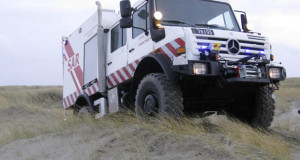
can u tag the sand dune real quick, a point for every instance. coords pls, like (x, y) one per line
(32, 126)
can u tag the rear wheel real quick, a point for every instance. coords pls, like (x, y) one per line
(156, 97)
(83, 111)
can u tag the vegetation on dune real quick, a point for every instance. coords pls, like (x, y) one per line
(289, 91)
(28, 112)
(287, 100)
(218, 133)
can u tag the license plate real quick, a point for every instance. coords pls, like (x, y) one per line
(203, 31)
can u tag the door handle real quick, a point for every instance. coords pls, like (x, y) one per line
(109, 63)
(131, 50)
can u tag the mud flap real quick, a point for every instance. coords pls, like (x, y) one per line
(102, 102)
(113, 101)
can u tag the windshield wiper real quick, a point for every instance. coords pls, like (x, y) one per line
(201, 25)
(211, 26)
(177, 22)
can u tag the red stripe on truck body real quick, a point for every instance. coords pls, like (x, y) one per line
(180, 42)
(69, 49)
(79, 74)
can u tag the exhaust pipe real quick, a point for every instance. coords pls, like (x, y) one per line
(101, 52)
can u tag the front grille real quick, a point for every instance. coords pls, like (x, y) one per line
(260, 38)
(251, 42)
(247, 47)
(212, 38)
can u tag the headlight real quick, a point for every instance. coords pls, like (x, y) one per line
(275, 73)
(200, 68)
(158, 15)
(249, 26)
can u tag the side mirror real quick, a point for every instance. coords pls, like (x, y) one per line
(244, 22)
(247, 27)
(126, 23)
(125, 8)
(157, 34)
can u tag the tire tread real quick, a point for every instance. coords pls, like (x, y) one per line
(173, 101)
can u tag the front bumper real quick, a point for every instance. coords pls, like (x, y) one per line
(248, 80)
(216, 70)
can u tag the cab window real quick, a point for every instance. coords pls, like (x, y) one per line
(118, 38)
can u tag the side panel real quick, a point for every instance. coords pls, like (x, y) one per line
(76, 76)
(90, 69)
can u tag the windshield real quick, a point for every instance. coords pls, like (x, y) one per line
(198, 13)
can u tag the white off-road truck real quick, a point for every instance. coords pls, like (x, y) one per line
(169, 57)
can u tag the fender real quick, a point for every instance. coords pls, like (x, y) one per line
(166, 65)
(84, 99)
(153, 63)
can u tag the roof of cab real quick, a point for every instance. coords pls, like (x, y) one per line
(224, 1)
(139, 2)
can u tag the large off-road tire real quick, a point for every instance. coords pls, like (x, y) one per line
(264, 108)
(158, 97)
(257, 109)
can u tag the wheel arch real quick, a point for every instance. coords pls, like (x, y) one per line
(154, 63)
(83, 100)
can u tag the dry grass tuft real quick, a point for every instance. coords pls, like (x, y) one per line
(247, 138)
(27, 112)
(218, 133)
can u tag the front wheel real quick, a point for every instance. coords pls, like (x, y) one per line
(257, 109)
(156, 96)
(264, 108)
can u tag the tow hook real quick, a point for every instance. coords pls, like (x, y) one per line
(272, 90)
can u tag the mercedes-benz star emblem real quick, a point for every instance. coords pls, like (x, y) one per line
(233, 46)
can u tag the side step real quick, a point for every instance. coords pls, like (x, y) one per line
(110, 107)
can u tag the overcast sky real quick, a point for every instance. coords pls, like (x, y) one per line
(31, 31)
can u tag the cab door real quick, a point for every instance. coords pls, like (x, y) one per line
(140, 43)
(117, 55)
